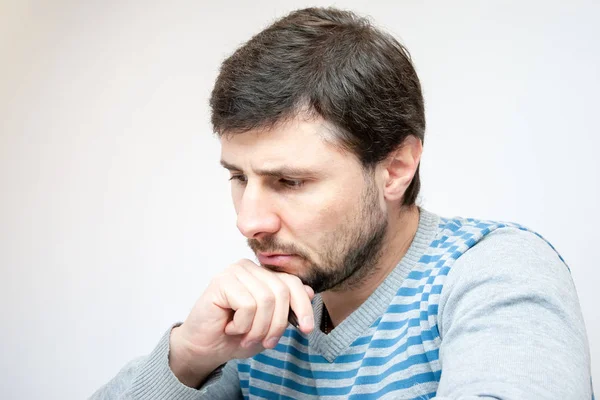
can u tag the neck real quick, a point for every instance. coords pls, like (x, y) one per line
(402, 230)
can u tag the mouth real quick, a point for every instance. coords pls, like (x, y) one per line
(276, 259)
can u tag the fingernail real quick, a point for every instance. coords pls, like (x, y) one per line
(307, 322)
(272, 342)
(250, 344)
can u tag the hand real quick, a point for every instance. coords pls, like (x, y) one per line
(243, 311)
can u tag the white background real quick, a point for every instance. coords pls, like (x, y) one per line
(114, 213)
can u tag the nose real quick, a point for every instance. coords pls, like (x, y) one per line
(256, 216)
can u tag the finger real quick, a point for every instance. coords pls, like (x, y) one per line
(309, 291)
(300, 302)
(292, 317)
(265, 306)
(239, 299)
(281, 291)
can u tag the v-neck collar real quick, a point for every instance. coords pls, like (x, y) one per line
(330, 346)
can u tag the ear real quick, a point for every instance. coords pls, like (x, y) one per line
(400, 167)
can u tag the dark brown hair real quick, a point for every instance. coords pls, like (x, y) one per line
(331, 63)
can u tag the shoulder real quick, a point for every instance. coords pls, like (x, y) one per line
(481, 246)
(509, 267)
(509, 297)
(511, 250)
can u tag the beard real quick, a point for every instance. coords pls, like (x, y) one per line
(347, 256)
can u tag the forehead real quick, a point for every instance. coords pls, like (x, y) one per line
(299, 142)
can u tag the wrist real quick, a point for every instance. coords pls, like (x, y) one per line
(190, 368)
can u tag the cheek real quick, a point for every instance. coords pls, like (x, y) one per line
(321, 219)
(307, 224)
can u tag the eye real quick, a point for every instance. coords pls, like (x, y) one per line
(292, 183)
(238, 178)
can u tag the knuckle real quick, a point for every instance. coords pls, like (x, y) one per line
(250, 337)
(263, 332)
(278, 329)
(281, 292)
(221, 281)
(222, 276)
(291, 280)
(266, 299)
(230, 271)
(244, 263)
(250, 305)
(242, 328)
(259, 333)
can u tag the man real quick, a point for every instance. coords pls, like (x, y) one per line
(321, 122)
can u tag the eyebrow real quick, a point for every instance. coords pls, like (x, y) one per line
(274, 172)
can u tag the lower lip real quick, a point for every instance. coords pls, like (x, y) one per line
(276, 260)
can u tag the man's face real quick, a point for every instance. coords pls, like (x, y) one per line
(306, 207)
